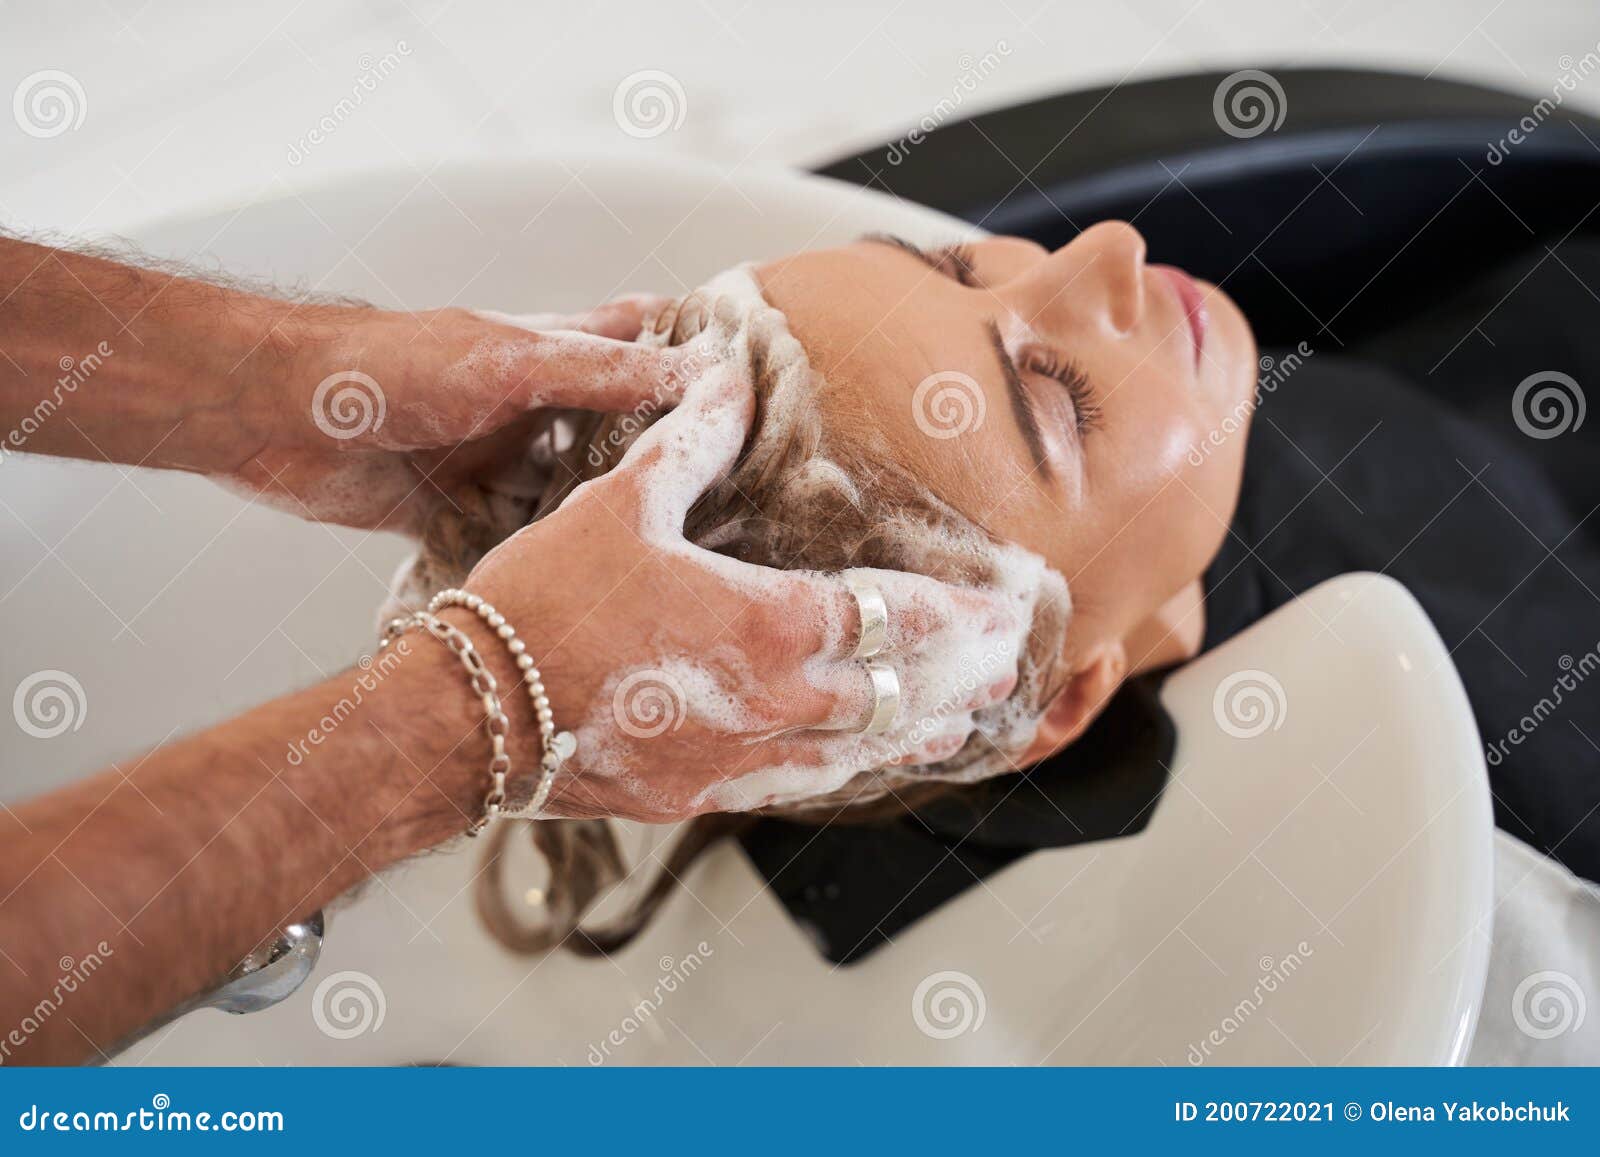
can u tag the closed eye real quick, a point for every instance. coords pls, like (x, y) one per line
(1051, 364)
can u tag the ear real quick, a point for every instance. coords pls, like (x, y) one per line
(1084, 696)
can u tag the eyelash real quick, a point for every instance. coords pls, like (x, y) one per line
(1084, 407)
(956, 262)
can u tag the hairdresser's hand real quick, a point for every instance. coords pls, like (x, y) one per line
(384, 414)
(697, 683)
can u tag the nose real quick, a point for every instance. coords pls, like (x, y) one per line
(1100, 272)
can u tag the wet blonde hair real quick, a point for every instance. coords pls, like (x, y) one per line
(805, 493)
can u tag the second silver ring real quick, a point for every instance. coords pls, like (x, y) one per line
(885, 698)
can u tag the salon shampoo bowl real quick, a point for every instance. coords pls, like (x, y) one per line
(1314, 886)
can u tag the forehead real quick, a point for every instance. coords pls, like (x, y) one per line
(910, 372)
(871, 315)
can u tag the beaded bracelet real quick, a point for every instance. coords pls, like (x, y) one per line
(555, 747)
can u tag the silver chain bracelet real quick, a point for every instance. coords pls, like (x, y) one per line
(555, 747)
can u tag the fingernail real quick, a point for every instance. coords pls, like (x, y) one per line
(995, 692)
(1003, 688)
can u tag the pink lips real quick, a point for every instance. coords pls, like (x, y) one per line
(1193, 302)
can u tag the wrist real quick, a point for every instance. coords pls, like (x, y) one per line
(436, 722)
(283, 352)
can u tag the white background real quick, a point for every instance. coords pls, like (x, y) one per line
(192, 102)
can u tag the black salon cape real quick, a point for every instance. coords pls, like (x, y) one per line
(1399, 452)
(1488, 526)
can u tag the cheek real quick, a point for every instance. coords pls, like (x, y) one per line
(1168, 492)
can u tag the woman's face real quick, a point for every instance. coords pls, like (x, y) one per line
(1071, 402)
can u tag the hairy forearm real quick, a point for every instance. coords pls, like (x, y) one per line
(104, 360)
(165, 872)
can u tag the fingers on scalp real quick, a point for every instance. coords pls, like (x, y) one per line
(916, 606)
(921, 608)
(935, 749)
(695, 445)
(625, 317)
(847, 690)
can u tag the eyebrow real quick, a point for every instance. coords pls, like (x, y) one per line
(1022, 406)
(948, 260)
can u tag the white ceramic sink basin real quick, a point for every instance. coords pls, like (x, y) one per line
(1316, 892)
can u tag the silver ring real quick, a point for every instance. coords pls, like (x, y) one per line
(885, 698)
(874, 618)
